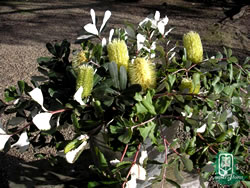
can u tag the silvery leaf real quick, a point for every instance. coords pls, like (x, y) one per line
(37, 95)
(3, 137)
(22, 143)
(105, 19)
(78, 96)
(42, 121)
(91, 28)
(92, 13)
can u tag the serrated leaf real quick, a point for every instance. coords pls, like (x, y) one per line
(123, 78)
(144, 131)
(188, 164)
(113, 70)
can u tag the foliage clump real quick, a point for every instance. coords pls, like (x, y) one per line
(121, 94)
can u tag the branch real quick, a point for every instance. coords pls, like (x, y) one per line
(143, 123)
(134, 161)
(124, 152)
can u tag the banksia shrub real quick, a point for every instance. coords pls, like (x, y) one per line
(193, 45)
(79, 59)
(118, 53)
(142, 72)
(85, 79)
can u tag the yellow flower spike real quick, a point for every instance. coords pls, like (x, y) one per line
(118, 53)
(193, 45)
(79, 59)
(142, 72)
(85, 79)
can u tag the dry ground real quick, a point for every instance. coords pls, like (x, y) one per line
(26, 26)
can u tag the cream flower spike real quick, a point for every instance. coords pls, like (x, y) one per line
(37, 95)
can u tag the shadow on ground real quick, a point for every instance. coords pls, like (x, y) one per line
(16, 173)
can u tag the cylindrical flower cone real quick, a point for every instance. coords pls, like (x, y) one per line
(142, 72)
(118, 53)
(85, 79)
(193, 45)
(79, 59)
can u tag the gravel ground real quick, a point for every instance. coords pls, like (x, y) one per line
(26, 26)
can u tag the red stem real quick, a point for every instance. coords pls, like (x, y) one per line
(59, 111)
(134, 161)
(124, 152)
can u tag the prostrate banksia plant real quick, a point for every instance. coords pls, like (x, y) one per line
(79, 59)
(118, 53)
(85, 77)
(193, 45)
(142, 72)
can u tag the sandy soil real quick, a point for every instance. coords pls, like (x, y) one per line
(26, 26)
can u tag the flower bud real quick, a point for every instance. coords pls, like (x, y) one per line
(85, 79)
(142, 72)
(187, 84)
(193, 45)
(118, 53)
(79, 59)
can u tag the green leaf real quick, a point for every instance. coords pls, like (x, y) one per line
(144, 131)
(51, 49)
(225, 135)
(231, 74)
(113, 70)
(101, 158)
(75, 121)
(236, 101)
(174, 183)
(177, 173)
(188, 164)
(16, 120)
(138, 97)
(171, 79)
(218, 88)
(93, 184)
(217, 79)
(72, 145)
(162, 104)
(125, 138)
(229, 52)
(228, 90)
(123, 78)
(21, 86)
(140, 108)
(233, 59)
(223, 117)
(43, 60)
(210, 119)
(116, 129)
